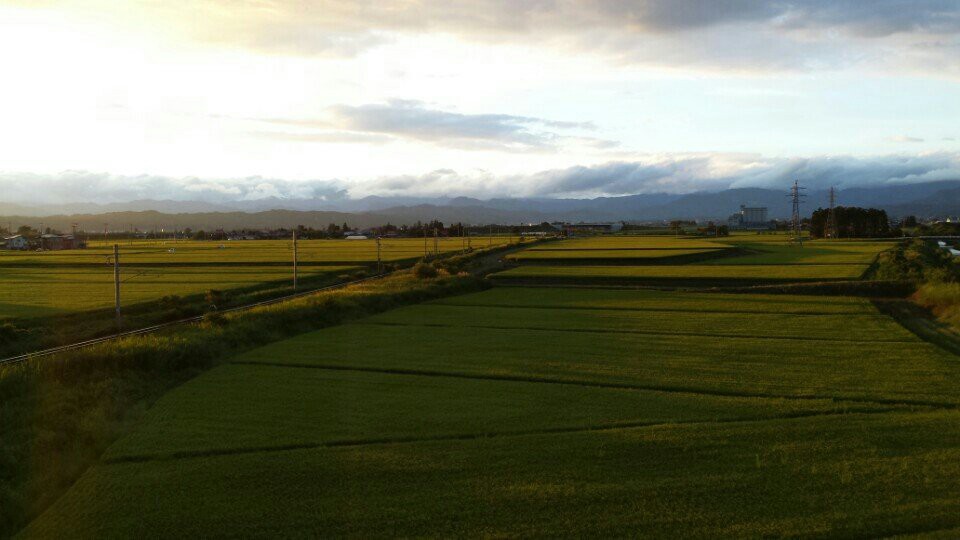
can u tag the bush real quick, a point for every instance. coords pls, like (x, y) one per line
(424, 270)
(9, 332)
(917, 261)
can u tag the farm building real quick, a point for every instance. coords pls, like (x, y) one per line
(18, 242)
(54, 242)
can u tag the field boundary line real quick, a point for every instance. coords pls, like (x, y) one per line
(347, 443)
(625, 332)
(664, 310)
(157, 327)
(600, 384)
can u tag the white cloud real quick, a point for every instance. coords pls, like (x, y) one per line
(413, 120)
(904, 139)
(680, 173)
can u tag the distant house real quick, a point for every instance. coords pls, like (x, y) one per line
(356, 237)
(55, 242)
(18, 242)
(573, 228)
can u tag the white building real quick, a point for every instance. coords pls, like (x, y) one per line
(749, 218)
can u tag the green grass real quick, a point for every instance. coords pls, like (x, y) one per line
(692, 273)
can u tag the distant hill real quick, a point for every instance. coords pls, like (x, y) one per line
(923, 199)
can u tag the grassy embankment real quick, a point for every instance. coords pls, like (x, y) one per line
(934, 310)
(550, 412)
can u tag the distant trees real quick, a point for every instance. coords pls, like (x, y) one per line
(852, 222)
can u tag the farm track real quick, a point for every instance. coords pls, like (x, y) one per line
(628, 332)
(599, 384)
(614, 426)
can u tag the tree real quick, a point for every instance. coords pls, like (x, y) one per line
(852, 222)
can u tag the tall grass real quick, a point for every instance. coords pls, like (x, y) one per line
(58, 414)
(943, 299)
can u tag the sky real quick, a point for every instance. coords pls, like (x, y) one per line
(245, 99)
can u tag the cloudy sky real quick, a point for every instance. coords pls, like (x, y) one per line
(327, 98)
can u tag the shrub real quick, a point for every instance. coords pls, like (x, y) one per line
(424, 270)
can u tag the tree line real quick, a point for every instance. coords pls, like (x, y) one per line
(851, 222)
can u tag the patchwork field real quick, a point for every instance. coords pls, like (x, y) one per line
(556, 412)
(36, 284)
(270, 252)
(739, 259)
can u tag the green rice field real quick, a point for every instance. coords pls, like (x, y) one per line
(270, 252)
(550, 412)
(737, 259)
(38, 284)
(43, 291)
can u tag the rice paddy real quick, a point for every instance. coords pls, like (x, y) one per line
(734, 260)
(38, 284)
(558, 412)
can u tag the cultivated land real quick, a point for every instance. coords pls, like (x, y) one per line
(40, 291)
(38, 284)
(551, 412)
(738, 259)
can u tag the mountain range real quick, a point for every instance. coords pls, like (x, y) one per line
(928, 199)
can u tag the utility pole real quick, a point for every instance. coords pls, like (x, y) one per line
(834, 233)
(294, 259)
(379, 264)
(489, 236)
(436, 245)
(116, 284)
(424, 242)
(796, 197)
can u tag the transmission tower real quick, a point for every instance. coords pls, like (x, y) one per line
(796, 196)
(834, 233)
